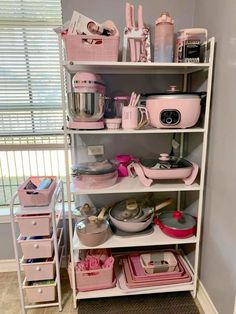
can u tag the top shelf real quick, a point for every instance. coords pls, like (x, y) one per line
(134, 67)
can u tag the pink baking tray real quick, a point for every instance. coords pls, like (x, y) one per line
(161, 282)
(139, 274)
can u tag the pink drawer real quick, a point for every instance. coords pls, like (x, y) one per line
(32, 247)
(32, 198)
(40, 293)
(39, 225)
(38, 270)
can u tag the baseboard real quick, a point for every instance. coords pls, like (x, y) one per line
(7, 265)
(205, 300)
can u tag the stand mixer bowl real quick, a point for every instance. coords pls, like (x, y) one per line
(86, 102)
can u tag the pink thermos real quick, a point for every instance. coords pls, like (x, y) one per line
(164, 38)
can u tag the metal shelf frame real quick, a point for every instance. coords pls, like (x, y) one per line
(68, 68)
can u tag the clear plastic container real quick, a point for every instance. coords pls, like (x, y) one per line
(164, 38)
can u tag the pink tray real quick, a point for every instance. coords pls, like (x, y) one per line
(132, 284)
(139, 274)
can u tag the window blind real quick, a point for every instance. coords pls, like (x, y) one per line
(30, 88)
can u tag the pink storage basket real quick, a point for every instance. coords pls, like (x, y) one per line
(38, 271)
(39, 225)
(93, 279)
(40, 293)
(42, 198)
(91, 48)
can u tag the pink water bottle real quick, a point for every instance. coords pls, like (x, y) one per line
(164, 38)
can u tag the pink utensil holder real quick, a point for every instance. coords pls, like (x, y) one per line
(129, 117)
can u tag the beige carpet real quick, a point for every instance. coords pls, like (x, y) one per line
(166, 303)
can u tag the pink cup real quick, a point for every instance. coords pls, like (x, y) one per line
(131, 119)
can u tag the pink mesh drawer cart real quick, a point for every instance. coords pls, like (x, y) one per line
(41, 245)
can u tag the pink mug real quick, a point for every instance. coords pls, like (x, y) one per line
(134, 117)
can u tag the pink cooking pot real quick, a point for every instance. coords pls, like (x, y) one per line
(165, 167)
(94, 175)
(174, 109)
(176, 224)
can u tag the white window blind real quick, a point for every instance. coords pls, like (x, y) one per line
(31, 141)
(30, 90)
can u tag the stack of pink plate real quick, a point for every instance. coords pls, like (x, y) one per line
(136, 276)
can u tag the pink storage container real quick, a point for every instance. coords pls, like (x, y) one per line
(91, 48)
(93, 279)
(39, 225)
(36, 248)
(40, 293)
(38, 271)
(42, 198)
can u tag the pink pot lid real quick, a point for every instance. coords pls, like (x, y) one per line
(97, 167)
(165, 162)
(177, 220)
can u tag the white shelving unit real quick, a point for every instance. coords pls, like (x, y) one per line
(57, 215)
(132, 185)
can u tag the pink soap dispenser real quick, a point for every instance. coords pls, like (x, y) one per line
(164, 38)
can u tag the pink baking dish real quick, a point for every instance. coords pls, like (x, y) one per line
(156, 262)
(40, 293)
(31, 225)
(95, 181)
(28, 197)
(132, 284)
(40, 270)
(34, 247)
(138, 274)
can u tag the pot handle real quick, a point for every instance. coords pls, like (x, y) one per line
(189, 180)
(139, 172)
(163, 204)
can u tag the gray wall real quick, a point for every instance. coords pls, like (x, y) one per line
(218, 266)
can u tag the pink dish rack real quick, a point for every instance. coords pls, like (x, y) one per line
(42, 198)
(91, 48)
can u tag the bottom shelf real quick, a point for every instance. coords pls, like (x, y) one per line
(120, 288)
(116, 291)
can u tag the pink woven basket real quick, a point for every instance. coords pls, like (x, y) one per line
(91, 48)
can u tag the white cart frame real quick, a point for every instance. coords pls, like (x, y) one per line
(58, 195)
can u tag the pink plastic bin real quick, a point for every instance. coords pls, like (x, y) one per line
(36, 248)
(40, 293)
(42, 198)
(34, 225)
(38, 271)
(91, 48)
(93, 279)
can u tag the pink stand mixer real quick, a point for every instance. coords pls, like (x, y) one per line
(86, 102)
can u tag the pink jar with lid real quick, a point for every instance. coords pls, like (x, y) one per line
(123, 161)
